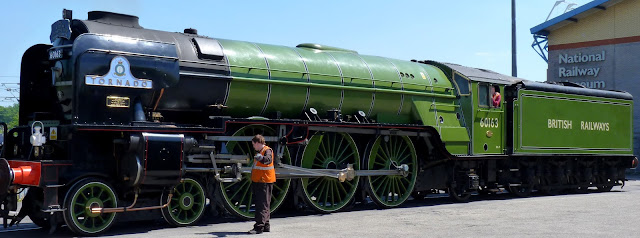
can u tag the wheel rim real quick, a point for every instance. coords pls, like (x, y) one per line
(460, 197)
(92, 195)
(238, 197)
(329, 151)
(188, 202)
(387, 151)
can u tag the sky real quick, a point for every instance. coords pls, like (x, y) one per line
(466, 32)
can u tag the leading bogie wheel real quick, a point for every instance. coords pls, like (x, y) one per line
(187, 203)
(84, 195)
(388, 153)
(35, 199)
(329, 151)
(237, 197)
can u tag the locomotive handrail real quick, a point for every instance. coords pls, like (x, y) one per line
(373, 90)
(343, 77)
(123, 53)
(61, 46)
(485, 110)
(443, 105)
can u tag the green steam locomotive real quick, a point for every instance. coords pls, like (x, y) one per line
(115, 118)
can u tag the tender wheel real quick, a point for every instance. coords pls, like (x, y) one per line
(582, 188)
(523, 190)
(86, 194)
(550, 191)
(547, 187)
(329, 151)
(386, 153)
(603, 184)
(187, 204)
(237, 197)
(604, 188)
(459, 195)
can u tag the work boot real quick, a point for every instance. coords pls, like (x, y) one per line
(267, 227)
(256, 230)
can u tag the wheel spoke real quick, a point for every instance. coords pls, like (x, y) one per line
(404, 149)
(377, 178)
(346, 157)
(383, 152)
(391, 190)
(342, 189)
(404, 188)
(84, 196)
(333, 188)
(250, 201)
(244, 195)
(190, 188)
(241, 188)
(328, 194)
(341, 151)
(317, 186)
(337, 188)
(384, 182)
(324, 185)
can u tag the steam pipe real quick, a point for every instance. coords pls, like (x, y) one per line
(138, 112)
(130, 208)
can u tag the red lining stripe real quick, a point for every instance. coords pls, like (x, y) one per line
(613, 41)
(256, 122)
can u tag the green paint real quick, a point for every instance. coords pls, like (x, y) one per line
(329, 151)
(556, 123)
(488, 122)
(387, 90)
(92, 194)
(365, 81)
(386, 153)
(187, 203)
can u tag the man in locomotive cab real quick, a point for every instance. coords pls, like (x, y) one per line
(495, 96)
(263, 175)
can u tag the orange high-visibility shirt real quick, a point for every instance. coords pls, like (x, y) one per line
(262, 173)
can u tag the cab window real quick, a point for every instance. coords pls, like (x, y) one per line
(462, 83)
(483, 95)
(489, 95)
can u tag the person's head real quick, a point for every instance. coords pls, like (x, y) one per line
(258, 142)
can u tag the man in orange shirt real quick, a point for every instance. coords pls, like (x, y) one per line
(263, 175)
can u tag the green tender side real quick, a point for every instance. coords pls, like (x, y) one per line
(267, 79)
(556, 123)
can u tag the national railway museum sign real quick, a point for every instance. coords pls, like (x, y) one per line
(588, 67)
